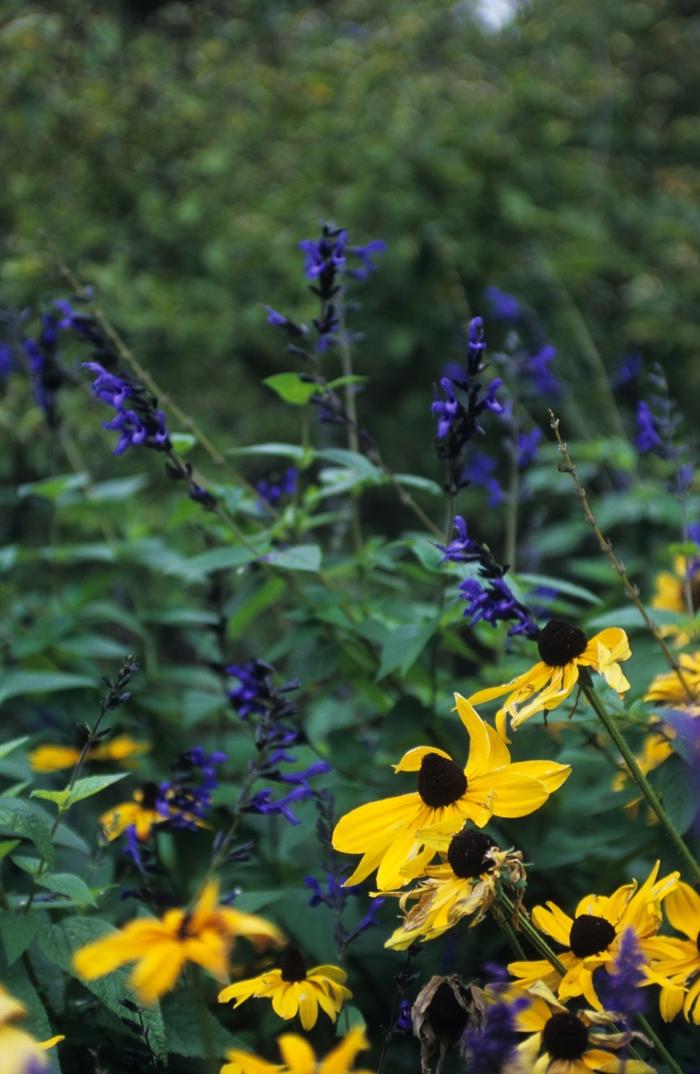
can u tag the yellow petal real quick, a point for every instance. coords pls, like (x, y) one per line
(52, 758)
(682, 908)
(554, 922)
(479, 740)
(550, 774)
(341, 1058)
(360, 827)
(158, 972)
(670, 1002)
(297, 1054)
(411, 760)
(514, 796)
(308, 1004)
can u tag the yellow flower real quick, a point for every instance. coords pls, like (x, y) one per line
(670, 596)
(670, 690)
(465, 884)
(679, 960)
(592, 937)
(161, 947)
(19, 1051)
(567, 1043)
(656, 748)
(54, 758)
(293, 988)
(564, 649)
(299, 1057)
(140, 812)
(388, 833)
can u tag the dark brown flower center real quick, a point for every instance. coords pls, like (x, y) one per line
(590, 935)
(440, 781)
(149, 795)
(448, 1018)
(560, 642)
(565, 1037)
(293, 966)
(466, 853)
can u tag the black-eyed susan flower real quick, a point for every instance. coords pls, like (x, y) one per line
(670, 596)
(121, 749)
(593, 936)
(20, 1053)
(464, 885)
(387, 833)
(564, 649)
(141, 812)
(679, 960)
(294, 990)
(670, 689)
(300, 1058)
(162, 946)
(564, 1042)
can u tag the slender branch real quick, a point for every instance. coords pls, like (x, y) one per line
(659, 1045)
(567, 467)
(637, 774)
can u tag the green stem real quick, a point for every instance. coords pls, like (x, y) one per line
(637, 774)
(533, 934)
(659, 1046)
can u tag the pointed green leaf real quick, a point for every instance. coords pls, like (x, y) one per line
(292, 387)
(301, 557)
(73, 887)
(7, 747)
(18, 817)
(17, 932)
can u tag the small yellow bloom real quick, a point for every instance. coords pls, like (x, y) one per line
(294, 989)
(670, 596)
(466, 884)
(19, 1051)
(669, 689)
(299, 1057)
(679, 960)
(161, 947)
(387, 833)
(563, 649)
(140, 812)
(54, 758)
(566, 1043)
(592, 937)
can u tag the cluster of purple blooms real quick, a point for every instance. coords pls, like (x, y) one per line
(137, 419)
(457, 420)
(186, 798)
(272, 490)
(488, 596)
(491, 1047)
(621, 991)
(257, 695)
(335, 898)
(45, 369)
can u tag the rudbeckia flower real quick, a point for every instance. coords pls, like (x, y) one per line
(670, 596)
(54, 758)
(387, 833)
(294, 989)
(464, 885)
(161, 947)
(668, 687)
(19, 1051)
(656, 749)
(299, 1057)
(562, 1042)
(593, 936)
(679, 960)
(141, 812)
(563, 649)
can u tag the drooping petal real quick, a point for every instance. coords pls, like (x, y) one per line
(285, 1001)
(682, 908)
(514, 795)
(361, 827)
(341, 1058)
(158, 971)
(553, 921)
(479, 740)
(411, 760)
(308, 1004)
(297, 1053)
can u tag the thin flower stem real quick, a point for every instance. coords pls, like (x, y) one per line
(504, 923)
(522, 921)
(567, 467)
(402, 979)
(637, 775)
(659, 1046)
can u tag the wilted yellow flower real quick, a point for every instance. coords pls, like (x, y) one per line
(387, 833)
(161, 947)
(564, 649)
(294, 989)
(19, 1051)
(299, 1057)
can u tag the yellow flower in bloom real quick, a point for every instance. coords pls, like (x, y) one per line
(54, 758)
(670, 596)
(294, 989)
(466, 884)
(656, 749)
(140, 812)
(161, 947)
(563, 649)
(567, 1043)
(670, 689)
(679, 960)
(19, 1051)
(592, 937)
(388, 833)
(299, 1057)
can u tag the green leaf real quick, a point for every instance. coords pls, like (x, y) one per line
(73, 887)
(351, 460)
(300, 557)
(568, 588)
(59, 798)
(292, 387)
(183, 1028)
(7, 846)
(226, 558)
(14, 744)
(52, 487)
(19, 683)
(287, 451)
(59, 942)
(403, 645)
(674, 782)
(85, 788)
(350, 378)
(118, 490)
(17, 932)
(18, 817)
(183, 442)
(17, 983)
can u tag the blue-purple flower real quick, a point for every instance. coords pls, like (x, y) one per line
(621, 990)
(504, 307)
(272, 490)
(488, 1049)
(528, 444)
(137, 419)
(186, 798)
(480, 470)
